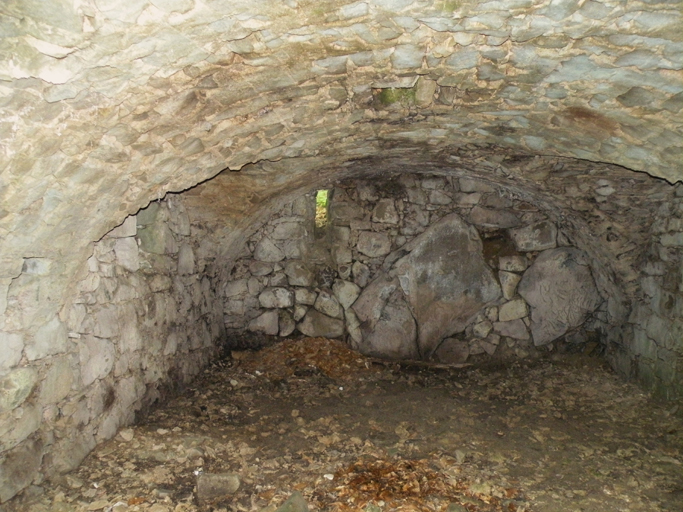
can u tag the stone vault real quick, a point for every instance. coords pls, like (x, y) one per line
(144, 142)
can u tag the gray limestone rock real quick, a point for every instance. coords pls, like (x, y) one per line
(445, 279)
(266, 250)
(157, 239)
(513, 263)
(373, 244)
(346, 292)
(186, 260)
(385, 212)
(18, 425)
(15, 387)
(328, 304)
(508, 283)
(49, 339)
(12, 345)
(211, 486)
(298, 273)
(19, 467)
(57, 382)
(513, 310)
(535, 237)
(361, 273)
(305, 296)
(316, 324)
(512, 329)
(491, 218)
(266, 323)
(287, 323)
(260, 268)
(387, 325)
(127, 253)
(96, 356)
(289, 231)
(276, 298)
(560, 289)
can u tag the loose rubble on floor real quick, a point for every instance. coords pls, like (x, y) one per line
(308, 424)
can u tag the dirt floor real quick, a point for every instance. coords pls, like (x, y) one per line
(352, 434)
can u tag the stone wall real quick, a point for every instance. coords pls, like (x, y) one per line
(144, 320)
(416, 266)
(617, 231)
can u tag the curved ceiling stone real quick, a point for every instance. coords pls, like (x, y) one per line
(106, 105)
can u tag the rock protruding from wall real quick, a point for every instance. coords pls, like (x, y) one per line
(560, 289)
(446, 280)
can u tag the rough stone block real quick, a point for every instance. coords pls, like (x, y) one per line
(57, 382)
(560, 289)
(276, 298)
(513, 263)
(49, 339)
(535, 237)
(267, 323)
(445, 279)
(96, 356)
(316, 324)
(512, 329)
(346, 292)
(305, 296)
(298, 273)
(373, 244)
(236, 288)
(328, 305)
(19, 467)
(385, 212)
(287, 323)
(18, 425)
(186, 264)
(11, 346)
(15, 387)
(508, 283)
(157, 239)
(289, 231)
(266, 250)
(513, 310)
(260, 268)
(127, 253)
(211, 486)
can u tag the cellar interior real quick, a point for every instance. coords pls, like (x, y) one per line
(465, 202)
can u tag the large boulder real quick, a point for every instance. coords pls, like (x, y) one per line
(387, 325)
(445, 279)
(560, 289)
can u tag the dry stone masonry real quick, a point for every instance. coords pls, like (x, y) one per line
(505, 176)
(402, 275)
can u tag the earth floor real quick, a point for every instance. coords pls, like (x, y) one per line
(353, 434)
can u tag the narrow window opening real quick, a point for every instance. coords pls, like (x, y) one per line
(322, 202)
